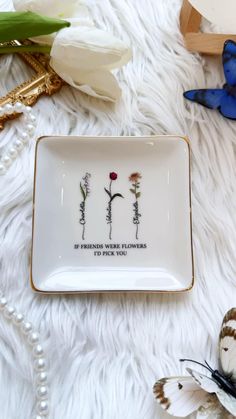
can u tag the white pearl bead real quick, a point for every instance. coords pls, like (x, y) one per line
(12, 152)
(3, 303)
(7, 161)
(42, 407)
(8, 109)
(26, 327)
(8, 311)
(28, 109)
(40, 364)
(17, 318)
(29, 128)
(30, 121)
(19, 107)
(33, 338)
(2, 169)
(18, 145)
(25, 118)
(38, 351)
(29, 118)
(32, 118)
(42, 392)
(42, 377)
(24, 137)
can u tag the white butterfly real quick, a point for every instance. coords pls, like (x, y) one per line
(181, 396)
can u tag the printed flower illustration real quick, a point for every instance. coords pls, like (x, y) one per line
(135, 179)
(112, 176)
(85, 191)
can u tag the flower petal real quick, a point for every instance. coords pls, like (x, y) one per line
(54, 8)
(86, 47)
(97, 83)
(73, 11)
(44, 39)
(75, 21)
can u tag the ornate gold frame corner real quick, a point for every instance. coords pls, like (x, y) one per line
(45, 82)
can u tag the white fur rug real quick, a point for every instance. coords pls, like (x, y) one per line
(106, 351)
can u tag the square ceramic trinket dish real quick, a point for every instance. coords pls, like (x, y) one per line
(112, 214)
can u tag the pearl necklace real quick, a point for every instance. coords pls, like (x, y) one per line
(29, 121)
(32, 337)
(9, 312)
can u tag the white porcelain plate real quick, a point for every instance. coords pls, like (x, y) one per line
(112, 214)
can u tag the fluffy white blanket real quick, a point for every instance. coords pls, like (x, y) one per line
(106, 351)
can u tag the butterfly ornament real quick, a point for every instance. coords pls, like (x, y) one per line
(212, 395)
(222, 99)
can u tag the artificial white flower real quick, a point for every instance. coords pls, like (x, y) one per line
(81, 54)
(74, 11)
(88, 48)
(97, 83)
(61, 9)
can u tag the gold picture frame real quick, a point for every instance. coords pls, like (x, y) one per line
(45, 82)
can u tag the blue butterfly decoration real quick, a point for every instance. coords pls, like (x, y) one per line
(222, 99)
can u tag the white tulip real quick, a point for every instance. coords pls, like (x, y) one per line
(54, 8)
(88, 48)
(74, 11)
(83, 56)
(97, 83)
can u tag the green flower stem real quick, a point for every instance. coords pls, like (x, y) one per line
(12, 49)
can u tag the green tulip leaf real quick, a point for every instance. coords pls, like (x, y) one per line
(132, 190)
(138, 194)
(23, 25)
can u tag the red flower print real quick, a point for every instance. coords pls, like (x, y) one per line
(113, 176)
